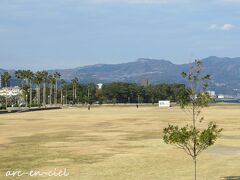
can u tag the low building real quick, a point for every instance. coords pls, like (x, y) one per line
(10, 91)
(220, 96)
(164, 104)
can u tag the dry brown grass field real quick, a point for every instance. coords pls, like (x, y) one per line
(115, 143)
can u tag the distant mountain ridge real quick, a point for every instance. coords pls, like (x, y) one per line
(225, 72)
(130, 72)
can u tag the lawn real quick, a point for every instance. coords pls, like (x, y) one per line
(115, 143)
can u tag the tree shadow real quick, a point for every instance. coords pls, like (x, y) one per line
(232, 178)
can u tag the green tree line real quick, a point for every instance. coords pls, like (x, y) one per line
(41, 89)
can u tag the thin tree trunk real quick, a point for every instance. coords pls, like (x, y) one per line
(37, 92)
(6, 102)
(66, 96)
(195, 167)
(73, 93)
(44, 94)
(50, 98)
(30, 89)
(88, 95)
(39, 95)
(194, 114)
(26, 100)
(61, 96)
(55, 94)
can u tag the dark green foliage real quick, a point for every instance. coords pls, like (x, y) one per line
(120, 92)
(130, 92)
(5, 78)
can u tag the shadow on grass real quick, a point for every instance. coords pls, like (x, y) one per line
(232, 178)
(31, 152)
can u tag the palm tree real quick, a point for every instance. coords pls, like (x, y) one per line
(62, 82)
(26, 85)
(29, 76)
(5, 78)
(38, 78)
(74, 84)
(57, 76)
(19, 74)
(51, 81)
(44, 80)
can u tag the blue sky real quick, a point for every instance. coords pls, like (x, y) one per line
(43, 34)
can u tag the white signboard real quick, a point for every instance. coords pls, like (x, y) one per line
(164, 103)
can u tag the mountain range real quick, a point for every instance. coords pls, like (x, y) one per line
(224, 71)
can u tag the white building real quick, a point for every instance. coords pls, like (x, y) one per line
(221, 96)
(10, 91)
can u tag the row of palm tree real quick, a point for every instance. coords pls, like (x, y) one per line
(41, 79)
(44, 83)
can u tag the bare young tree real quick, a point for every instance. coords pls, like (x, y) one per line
(190, 138)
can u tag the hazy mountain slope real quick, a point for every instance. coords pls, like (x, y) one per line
(225, 72)
(154, 70)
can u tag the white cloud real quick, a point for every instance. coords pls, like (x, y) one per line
(223, 27)
(227, 27)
